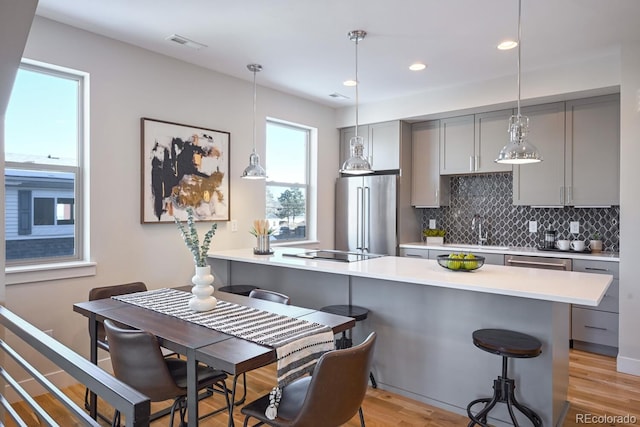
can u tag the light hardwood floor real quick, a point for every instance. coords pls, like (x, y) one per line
(595, 389)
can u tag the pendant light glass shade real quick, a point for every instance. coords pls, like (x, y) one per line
(519, 150)
(254, 170)
(356, 164)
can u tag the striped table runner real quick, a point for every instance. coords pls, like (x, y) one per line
(298, 343)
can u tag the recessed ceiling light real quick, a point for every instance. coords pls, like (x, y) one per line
(349, 83)
(507, 44)
(417, 66)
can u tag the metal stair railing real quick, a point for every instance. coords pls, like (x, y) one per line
(134, 406)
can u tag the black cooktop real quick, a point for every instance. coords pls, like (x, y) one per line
(341, 256)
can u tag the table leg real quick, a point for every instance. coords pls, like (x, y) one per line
(93, 339)
(192, 388)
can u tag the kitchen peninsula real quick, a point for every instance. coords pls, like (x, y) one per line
(424, 316)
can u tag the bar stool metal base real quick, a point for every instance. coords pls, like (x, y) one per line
(358, 313)
(503, 392)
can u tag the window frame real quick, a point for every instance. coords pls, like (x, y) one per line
(79, 233)
(307, 186)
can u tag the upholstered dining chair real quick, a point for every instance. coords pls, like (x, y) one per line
(137, 361)
(328, 398)
(267, 295)
(108, 292)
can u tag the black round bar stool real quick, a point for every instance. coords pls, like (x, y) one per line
(358, 313)
(506, 344)
(238, 289)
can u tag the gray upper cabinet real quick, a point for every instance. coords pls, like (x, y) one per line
(457, 145)
(490, 136)
(542, 184)
(470, 144)
(381, 144)
(580, 145)
(428, 188)
(592, 167)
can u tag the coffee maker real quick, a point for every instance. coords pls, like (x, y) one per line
(549, 241)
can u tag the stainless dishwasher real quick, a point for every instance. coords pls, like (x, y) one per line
(562, 264)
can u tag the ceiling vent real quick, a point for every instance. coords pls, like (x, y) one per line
(185, 42)
(338, 95)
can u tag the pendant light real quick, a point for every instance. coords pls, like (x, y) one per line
(519, 150)
(357, 164)
(254, 170)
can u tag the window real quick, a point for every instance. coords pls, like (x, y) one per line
(43, 168)
(287, 187)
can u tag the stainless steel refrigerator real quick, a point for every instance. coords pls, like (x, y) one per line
(366, 214)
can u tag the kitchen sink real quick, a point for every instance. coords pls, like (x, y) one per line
(476, 247)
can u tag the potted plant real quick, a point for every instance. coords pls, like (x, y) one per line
(434, 236)
(202, 280)
(595, 244)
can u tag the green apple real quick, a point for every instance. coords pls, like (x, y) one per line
(455, 263)
(469, 262)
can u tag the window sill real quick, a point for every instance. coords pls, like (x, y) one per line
(46, 272)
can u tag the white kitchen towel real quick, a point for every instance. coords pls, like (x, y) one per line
(296, 359)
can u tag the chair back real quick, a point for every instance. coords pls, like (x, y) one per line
(338, 386)
(137, 360)
(108, 292)
(270, 296)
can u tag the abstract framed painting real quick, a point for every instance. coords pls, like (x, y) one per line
(183, 166)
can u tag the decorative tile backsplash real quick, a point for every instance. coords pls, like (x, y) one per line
(491, 197)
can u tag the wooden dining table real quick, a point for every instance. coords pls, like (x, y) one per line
(199, 343)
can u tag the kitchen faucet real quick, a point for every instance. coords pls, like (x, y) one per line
(477, 220)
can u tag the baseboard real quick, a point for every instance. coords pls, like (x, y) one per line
(60, 378)
(628, 365)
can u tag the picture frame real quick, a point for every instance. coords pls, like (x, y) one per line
(183, 166)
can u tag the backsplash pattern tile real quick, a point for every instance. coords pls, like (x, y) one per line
(491, 197)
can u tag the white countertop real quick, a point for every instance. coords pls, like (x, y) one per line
(559, 286)
(511, 250)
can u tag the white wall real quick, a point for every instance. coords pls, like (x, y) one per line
(629, 355)
(128, 83)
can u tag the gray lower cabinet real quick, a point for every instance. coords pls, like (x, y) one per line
(495, 259)
(414, 253)
(596, 328)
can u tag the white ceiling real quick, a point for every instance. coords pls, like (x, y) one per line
(304, 48)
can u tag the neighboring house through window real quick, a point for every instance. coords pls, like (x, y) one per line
(43, 166)
(288, 182)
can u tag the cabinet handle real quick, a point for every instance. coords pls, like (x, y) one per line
(412, 255)
(596, 269)
(595, 327)
(437, 195)
(471, 163)
(562, 195)
(569, 194)
(477, 165)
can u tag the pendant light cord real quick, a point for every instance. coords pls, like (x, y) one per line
(519, 34)
(254, 110)
(357, 84)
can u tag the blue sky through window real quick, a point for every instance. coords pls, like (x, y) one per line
(41, 119)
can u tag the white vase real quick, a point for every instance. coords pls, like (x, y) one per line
(202, 290)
